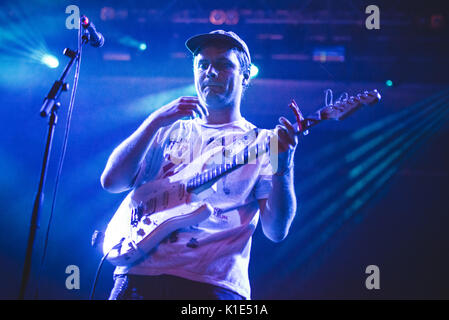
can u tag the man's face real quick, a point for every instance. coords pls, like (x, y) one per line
(218, 79)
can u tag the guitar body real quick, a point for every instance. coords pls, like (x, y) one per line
(136, 244)
(152, 212)
(138, 227)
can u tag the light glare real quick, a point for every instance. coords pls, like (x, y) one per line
(50, 61)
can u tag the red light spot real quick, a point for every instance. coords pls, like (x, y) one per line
(84, 21)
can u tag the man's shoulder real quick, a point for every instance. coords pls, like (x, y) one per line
(174, 127)
(197, 125)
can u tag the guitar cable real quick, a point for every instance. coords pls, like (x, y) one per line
(92, 291)
(97, 239)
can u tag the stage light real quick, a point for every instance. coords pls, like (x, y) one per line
(50, 60)
(143, 46)
(217, 17)
(132, 43)
(389, 83)
(254, 71)
(329, 54)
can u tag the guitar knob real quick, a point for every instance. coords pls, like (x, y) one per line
(140, 232)
(147, 220)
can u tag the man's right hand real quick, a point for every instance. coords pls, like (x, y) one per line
(177, 109)
(124, 163)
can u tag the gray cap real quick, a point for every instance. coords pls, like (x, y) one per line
(198, 41)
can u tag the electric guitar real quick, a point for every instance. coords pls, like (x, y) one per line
(151, 212)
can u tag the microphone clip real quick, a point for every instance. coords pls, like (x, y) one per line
(91, 35)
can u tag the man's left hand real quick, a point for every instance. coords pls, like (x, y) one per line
(287, 136)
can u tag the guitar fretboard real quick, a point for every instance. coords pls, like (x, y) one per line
(247, 155)
(338, 112)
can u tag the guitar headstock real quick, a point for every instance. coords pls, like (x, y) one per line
(342, 109)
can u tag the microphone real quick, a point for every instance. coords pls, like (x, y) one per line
(96, 39)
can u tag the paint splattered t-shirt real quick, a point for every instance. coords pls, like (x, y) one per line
(217, 250)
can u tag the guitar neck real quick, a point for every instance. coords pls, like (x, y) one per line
(313, 119)
(248, 154)
(337, 111)
(203, 180)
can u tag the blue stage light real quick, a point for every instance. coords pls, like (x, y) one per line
(254, 71)
(50, 60)
(143, 46)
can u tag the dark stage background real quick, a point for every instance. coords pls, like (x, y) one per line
(372, 189)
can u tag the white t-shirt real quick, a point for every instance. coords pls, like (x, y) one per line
(217, 250)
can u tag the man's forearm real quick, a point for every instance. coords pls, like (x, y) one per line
(280, 208)
(124, 162)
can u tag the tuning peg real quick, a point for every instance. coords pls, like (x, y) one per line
(339, 105)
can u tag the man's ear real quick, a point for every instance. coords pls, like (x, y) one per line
(245, 79)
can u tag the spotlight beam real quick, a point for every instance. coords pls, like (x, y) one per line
(312, 181)
(361, 200)
(356, 185)
(329, 149)
(20, 34)
(353, 156)
(306, 230)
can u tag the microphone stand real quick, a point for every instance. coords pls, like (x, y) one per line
(50, 107)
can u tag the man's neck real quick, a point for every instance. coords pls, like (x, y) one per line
(223, 115)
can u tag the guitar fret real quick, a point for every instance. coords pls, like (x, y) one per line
(245, 155)
(151, 205)
(165, 198)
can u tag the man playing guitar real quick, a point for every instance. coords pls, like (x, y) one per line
(209, 259)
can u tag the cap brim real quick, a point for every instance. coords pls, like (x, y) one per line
(199, 41)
